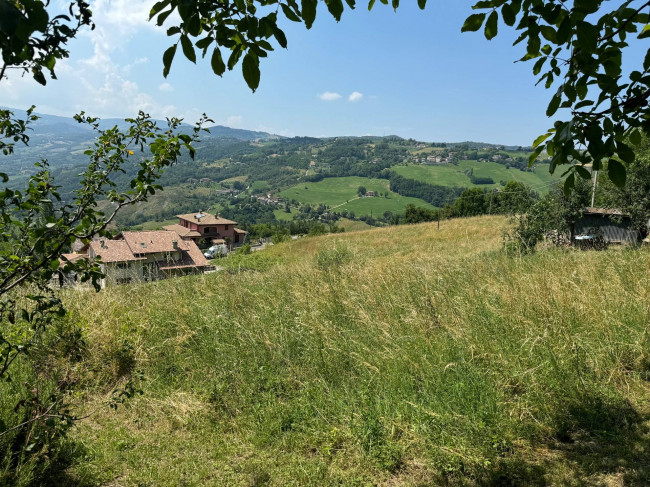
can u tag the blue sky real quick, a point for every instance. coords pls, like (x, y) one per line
(410, 73)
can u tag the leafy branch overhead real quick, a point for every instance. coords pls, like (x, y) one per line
(230, 30)
(32, 40)
(577, 50)
(576, 47)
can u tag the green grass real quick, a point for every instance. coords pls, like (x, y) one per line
(282, 215)
(405, 356)
(450, 175)
(342, 194)
(353, 225)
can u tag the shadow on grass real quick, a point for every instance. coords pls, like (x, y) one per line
(596, 442)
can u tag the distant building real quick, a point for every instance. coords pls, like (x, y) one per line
(370, 194)
(206, 229)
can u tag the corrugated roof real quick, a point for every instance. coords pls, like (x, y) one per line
(206, 219)
(603, 211)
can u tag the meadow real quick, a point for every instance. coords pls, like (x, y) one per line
(449, 175)
(402, 356)
(342, 194)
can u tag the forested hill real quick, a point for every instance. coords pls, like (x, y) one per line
(62, 140)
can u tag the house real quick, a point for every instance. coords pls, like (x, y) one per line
(206, 230)
(370, 194)
(614, 225)
(140, 256)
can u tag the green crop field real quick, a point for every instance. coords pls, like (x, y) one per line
(540, 179)
(342, 194)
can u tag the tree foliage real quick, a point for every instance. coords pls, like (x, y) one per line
(32, 39)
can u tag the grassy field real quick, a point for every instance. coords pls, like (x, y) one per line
(342, 194)
(404, 356)
(450, 175)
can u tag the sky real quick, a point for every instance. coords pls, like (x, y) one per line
(409, 73)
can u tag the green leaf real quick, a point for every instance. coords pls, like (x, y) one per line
(473, 23)
(422, 4)
(188, 48)
(168, 57)
(158, 6)
(616, 172)
(635, 137)
(290, 14)
(335, 7)
(583, 172)
(569, 183)
(541, 139)
(371, 4)
(309, 12)
(554, 105)
(508, 14)
(645, 32)
(251, 70)
(492, 26)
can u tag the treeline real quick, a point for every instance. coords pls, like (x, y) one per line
(434, 194)
(515, 198)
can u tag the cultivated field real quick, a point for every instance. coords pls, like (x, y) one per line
(400, 356)
(342, 194)
(450, 175)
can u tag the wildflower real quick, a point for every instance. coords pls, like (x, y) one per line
(131, 152)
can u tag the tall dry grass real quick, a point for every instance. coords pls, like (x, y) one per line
(401, 356)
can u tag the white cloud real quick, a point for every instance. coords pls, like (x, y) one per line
(234, 120)
(329, 96)
(355, 96)
(166, 87)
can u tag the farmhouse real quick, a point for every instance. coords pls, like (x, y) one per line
(206, 229)
(614, 225)
(141, 256)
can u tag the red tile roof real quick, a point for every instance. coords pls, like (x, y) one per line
(154, 241)
(112, 251)
(206, 219)
(182, 231)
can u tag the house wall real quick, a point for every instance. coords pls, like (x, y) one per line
(116, 274)
(613, 231)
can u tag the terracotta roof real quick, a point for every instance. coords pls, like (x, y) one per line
(603, 211)
(113, 251)
(218, 241)
(154, 242)
(182, 231)
(65, 258)
(239, 230)
(161, 241)
(206, 219)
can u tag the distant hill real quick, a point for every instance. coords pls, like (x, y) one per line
(62, 140)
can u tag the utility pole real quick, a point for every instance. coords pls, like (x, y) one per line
(593, 191)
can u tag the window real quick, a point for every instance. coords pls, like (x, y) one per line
(122, 265)
(226, 227)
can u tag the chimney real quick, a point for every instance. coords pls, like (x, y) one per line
(175, 244)
(102, 243)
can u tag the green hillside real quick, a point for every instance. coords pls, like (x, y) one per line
(399, 356)
(449, 175)
(341, 193)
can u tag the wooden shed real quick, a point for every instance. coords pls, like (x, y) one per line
(614, 225)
